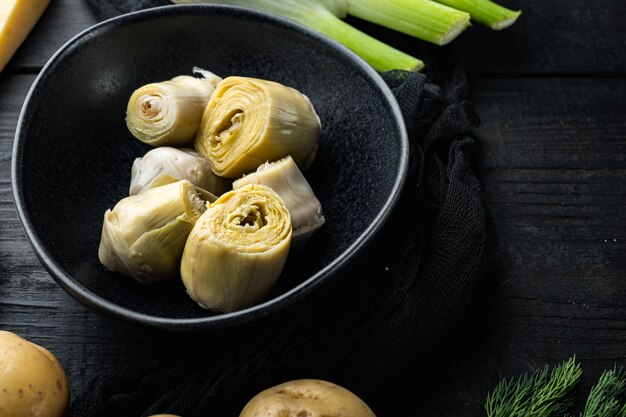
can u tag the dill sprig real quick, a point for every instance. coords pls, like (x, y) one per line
(606, 397)
(544, 393)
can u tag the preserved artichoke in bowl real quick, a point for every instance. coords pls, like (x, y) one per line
(144, 235)
(249, 121)
(154, 168)
(284, 177)
(237, 249)
(168, 113)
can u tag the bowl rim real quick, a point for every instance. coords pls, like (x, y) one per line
(102, 305)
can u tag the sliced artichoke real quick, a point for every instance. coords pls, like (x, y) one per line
(144, 235)
(249, 121)
(284, 177)
(168, 113)
(178, 164)
(237, 249)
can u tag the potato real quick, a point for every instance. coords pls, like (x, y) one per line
(306, 398)
(32, 381)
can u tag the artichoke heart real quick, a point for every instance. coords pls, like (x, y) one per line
(144, 235)
(168, 113)
(237, 249)
(249, 121)
(179, 164)
(284, 177)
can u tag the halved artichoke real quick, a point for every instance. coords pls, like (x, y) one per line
(237, 249)
(249, 121)
(144, 235)
(284, 177)
(179, 164)
(168, 113)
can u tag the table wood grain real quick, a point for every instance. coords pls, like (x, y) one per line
(551, 94)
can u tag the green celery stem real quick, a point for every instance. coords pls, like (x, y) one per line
(379, 55)
(423, 19)
(486, 12)
(318, 17)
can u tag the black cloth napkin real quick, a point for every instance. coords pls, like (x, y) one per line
(363, 332)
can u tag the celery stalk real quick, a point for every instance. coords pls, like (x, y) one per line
(423, 19)
(486, 12)
(322, 17)
(379, 55)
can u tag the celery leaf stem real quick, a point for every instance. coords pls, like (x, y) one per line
(486, 12)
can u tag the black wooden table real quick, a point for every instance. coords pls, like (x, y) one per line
(551, 93)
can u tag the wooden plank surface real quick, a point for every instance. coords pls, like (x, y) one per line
(552, 158)
(550, 37)
(557, 37)
(556, 123)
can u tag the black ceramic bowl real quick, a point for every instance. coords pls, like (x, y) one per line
(73, 152)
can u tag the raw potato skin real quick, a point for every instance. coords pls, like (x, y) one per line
(32, 381)
(306, 398)
(164, 415)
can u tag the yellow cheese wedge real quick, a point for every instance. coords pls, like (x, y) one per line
(17, 19)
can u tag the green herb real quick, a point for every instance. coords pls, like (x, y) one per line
(548, 393)
(543, 394)
(606, 398)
